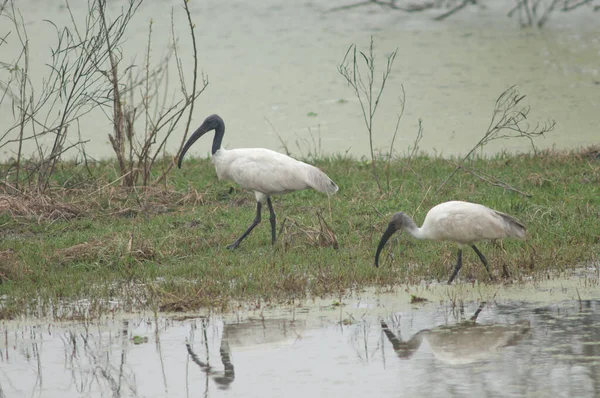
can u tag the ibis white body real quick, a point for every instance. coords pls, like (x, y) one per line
(267, 172)
(466, 223)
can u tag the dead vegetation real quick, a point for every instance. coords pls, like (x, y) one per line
(529, 12)
(67, 204)
(294, 233)
(110, 249)
(12, 268)
(87, 71)
(41, 207)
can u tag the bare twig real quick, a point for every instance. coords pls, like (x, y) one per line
(387, 4)
(415, 146)
(111, 34)
(490, 179)
(189, 98)
(402, 100)
(23, 103)
(567, 6)
(422, 200)
(544, 18)
(454, 10)
(350, 69)
(349, 6)
(68, 92)
(281, 140)
(508, 121)
(529, 10)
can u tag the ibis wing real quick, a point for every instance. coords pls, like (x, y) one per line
(268, 172)
(469, 222)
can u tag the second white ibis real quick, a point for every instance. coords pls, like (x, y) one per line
(462, 222)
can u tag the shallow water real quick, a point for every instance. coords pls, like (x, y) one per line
(272, 63)
(528, 340)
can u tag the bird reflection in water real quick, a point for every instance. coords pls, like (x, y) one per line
(463, 343)
(224, 377)
(249, 334)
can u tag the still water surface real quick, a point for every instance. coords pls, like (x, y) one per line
(272, 67)
(374, 345)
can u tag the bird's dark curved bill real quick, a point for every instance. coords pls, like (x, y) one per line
(386, 236)
(193, 138)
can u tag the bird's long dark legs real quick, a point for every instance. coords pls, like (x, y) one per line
(457, 268)
(483, 260)
(271, 219)
(474, 317)
(250, 228)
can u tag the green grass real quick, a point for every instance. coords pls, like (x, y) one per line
(164, 248)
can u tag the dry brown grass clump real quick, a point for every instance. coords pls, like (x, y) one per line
(85, 251)
(39, 206)
(592, 152)
(293, 232)
(12, 268)
(103, 250)
(152, 199)
(66, 204)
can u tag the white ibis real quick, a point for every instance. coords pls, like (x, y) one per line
(461, 222)
(260, 170)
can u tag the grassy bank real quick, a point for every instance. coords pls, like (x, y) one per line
(164, 248)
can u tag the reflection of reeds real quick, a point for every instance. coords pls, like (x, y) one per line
(93, 364)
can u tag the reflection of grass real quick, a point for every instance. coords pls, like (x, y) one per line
(416, 299)
(139, 340)
(165, 248)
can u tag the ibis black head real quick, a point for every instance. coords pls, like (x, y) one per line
(399, 221)
(213, 122)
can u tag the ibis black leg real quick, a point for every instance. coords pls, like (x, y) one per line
(250, 228)
(457, 268)
(483, 260)
(474, 317)
(272, 219)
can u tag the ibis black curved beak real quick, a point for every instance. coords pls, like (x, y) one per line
(386, 236)
(404, 350)
(203, 129)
